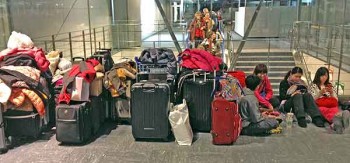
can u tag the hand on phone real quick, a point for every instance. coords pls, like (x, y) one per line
(296, 92)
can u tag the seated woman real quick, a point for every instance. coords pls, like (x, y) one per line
(264, 93)
(326, 99)
(298, 99)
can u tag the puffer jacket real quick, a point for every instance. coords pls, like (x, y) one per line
(36, 53)
(36, 101)
(19, 95)
(200, 59)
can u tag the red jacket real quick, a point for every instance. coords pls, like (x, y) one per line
(266, 87)
(36, 53)
(85, 70)
(200, 59)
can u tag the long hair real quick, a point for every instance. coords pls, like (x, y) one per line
(295, 70)
(320, 72)
(260, 68)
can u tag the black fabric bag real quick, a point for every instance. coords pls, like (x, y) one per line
(73, 122)
(22, 123)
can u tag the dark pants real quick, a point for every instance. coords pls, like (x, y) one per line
(260, 128)
(275, 102)
(301, 104)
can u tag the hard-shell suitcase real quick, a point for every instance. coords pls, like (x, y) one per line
(95, 112)
(150, 103)
(3, 145)
(22, 123)
(73, 122)
(226, 121)
(198, 94)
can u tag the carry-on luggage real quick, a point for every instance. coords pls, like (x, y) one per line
(198, 93)
(95, 112)
(180, 124)
(226, 121)
(22, 123)
(150, 103)
(73, 122)
(3, 145)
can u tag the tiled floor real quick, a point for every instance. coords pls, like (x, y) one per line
(116, 144)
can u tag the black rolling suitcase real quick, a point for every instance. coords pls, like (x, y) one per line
(150, 103)
(73, 122)
(3, 145)
(22, 123)
(198, 90)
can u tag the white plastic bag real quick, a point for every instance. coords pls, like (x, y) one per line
(19, 40)
(180, 123)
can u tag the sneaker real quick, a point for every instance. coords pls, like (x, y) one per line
(302, 122)
(345, 118)
(318, 121)
(338, 124)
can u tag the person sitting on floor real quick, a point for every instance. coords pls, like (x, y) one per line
(253, 122)
(298, 99)
(326, 99)
(264, 93)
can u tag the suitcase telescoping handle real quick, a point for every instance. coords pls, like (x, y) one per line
(78, 58)
(198, 71)
(149, 87)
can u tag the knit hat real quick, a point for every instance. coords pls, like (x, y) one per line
(5, 92)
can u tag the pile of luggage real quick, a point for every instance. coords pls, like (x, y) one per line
(205, 98)
(27, 104)
(157, 93)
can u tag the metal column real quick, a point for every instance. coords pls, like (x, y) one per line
(166, 21)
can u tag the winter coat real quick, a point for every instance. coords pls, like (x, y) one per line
(200, 59)
(264, 93)
(36, 53)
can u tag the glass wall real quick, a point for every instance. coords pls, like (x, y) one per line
(47, 20)
(324, 33)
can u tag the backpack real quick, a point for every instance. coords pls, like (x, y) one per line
(230, 88)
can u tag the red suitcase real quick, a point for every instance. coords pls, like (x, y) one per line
(226, 121)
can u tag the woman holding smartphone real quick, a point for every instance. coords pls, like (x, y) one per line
(297, 99)
(326, 98)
